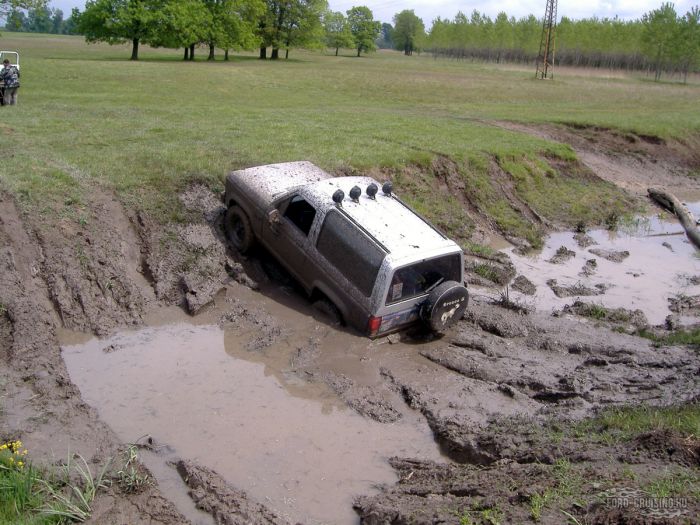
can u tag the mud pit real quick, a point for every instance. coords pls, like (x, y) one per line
(292, 445)
(644, 265)
(496, 395)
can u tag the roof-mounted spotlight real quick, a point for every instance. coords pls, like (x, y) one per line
(387, 188)
(372, 190)
(355, 193)
(338, 197)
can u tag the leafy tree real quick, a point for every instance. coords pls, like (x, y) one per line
(337, 30)
(120, 21)
(231, 24)
(689, 41)
(304, 26)
(289, 23)
(7, 6)
(660, 35)
(181, 23)
(364, 28)
(39, 20)
(16, 21)
(385, 39)
(409, 32)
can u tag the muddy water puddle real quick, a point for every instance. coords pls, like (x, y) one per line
(659, 266)
(291, 445)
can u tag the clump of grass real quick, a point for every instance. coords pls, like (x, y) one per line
(568, 484)
(480, 250)
(619, 424)
(73, 501)
(676, 337)
(486, 271)
(131, 477)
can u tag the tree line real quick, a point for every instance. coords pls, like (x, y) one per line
(40, 19)
(661, 41)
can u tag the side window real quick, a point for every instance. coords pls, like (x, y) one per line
(347, 248)
(301, 213)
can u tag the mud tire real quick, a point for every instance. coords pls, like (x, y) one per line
(329, 311)
(238, 229)
(445, 306)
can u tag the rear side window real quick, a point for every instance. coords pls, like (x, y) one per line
(347, 248)
(301, 213)
(417, 279)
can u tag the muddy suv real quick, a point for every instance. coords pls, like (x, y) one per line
(362, 255)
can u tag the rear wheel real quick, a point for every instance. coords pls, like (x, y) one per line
(445, 306)
(238, 229)
(328, 310)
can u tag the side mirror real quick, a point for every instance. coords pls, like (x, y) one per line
(273, 219)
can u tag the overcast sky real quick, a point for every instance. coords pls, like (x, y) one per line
(428, 10)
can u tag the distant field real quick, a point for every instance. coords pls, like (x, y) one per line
(86, 113)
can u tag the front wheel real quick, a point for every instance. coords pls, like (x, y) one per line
(238, 229)
(445, 306)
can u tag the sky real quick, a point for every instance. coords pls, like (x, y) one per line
(428, 10)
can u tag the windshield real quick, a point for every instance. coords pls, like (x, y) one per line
(419, 278)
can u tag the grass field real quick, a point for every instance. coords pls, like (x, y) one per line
(146, 128)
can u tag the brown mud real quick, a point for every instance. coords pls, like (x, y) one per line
(495, 393)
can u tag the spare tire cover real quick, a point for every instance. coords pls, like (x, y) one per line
(445, 305)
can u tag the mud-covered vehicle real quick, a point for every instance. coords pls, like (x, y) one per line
(362, 255)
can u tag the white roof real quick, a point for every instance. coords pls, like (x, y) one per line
(387, 219)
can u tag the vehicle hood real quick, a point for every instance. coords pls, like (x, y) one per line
(268, 182)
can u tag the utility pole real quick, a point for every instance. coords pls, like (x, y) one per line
(545, 59)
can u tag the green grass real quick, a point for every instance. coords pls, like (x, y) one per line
(624, 423)
(146, 129)
(676, 337)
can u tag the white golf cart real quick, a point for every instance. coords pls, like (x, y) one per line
(13, 57)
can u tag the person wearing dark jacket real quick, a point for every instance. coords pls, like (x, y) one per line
(9, 76)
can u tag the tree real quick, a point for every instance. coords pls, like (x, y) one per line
(385, 40)
(181, 23)
(289, 23)
(120, 21)
(364, 28)
(231, 24)
(337, 30)
(7, 6)
(659, 36)
(689, 41)
(409, 32)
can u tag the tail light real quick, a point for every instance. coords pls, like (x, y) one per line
(374, 324)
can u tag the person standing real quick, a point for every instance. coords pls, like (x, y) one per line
(9, 75)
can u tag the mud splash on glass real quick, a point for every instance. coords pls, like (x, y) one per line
(295, 448)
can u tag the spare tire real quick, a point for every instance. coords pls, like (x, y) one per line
(445, 306)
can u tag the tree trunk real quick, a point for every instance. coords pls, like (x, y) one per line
(187, 53)
(359, 49)
(336, 51)
(275, 53)
(211, 51)
(671, 203)
(226, 54)
(135, 49)
(263, 53)
(286, 54)
(191, 51)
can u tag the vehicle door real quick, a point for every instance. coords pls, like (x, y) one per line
(286, 233)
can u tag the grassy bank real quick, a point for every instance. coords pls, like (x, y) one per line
(145, 129)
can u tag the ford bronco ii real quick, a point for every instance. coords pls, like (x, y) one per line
(361, 254)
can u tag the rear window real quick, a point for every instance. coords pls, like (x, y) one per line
(417, 279)
(347, 248)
